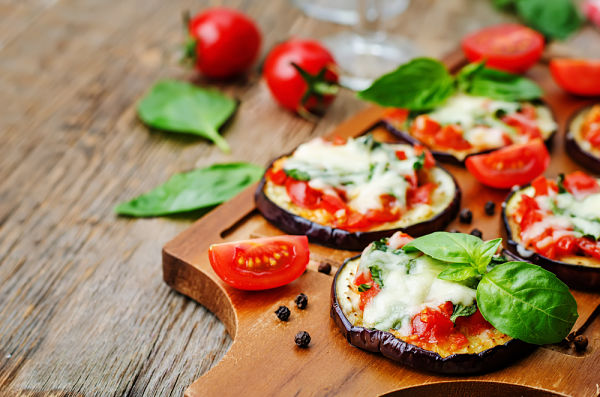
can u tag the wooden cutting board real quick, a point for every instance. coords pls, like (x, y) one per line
(263, 359)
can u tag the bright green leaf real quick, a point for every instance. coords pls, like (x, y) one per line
(556, 19)
(447, 247)
(496, 84)
(483, 254)
(462, 273)
(461, 310)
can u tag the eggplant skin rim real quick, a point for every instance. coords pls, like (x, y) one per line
(576, 152)
(343, 239)
(575, 276)
(415, 357)
(450, 158)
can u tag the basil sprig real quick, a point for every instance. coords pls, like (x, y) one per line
(520, 299)
(555, 19)
(194, 190)
(424, 83)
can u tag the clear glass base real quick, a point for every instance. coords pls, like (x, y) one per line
(363, 58)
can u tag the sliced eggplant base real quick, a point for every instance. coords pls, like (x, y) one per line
(578, 148)
(499, 352)
(576, 271)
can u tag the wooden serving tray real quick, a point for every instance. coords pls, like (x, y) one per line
(263, 359)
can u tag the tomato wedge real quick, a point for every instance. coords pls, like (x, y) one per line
(511, 165)
(511, 47)
(260, 263)
(577, 76)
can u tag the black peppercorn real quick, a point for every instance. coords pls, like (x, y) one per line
(465, 216)
(283, 313)
(476, 232)
(325, 267)
(580, 343)
(301, 301)
(490, 207)
(302, 339)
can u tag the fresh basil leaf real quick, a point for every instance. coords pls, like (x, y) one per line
(483, 254)
(419, 162)
(503, 3)
(297, 174)
(364, 287)
(556, 19)
(376, 275)
(461, 310)
(420, 84)
(185, 108)
(193, 190)
(447, 247)
(381, 245)
(466, 73)
(496, 84)
(462, 273)
(527, 302)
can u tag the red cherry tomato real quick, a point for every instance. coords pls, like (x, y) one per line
(223, 42)
(289, 87)
(260, 263)
(580, 183)
(577, 76)
(511, 47)
(511, 165)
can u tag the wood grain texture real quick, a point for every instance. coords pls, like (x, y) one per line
(262, 344)
(83, 309)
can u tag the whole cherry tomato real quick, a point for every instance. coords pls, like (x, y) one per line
(301, 76)
(222, 42)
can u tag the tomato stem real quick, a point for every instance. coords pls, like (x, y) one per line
(317, 87)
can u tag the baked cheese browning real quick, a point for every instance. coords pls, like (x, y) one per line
(360, 184)
(468, 124)
(558, 219)
(585, 129)
(390, 290)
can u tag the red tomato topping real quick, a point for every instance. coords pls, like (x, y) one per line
(302, 194)
(424, 126)
(473, 324)
(577, 76)
(433, 325)
(429, 160)
(332, 204)
(260, 263)
(339, 141)
(589, 247)
(525, 122)
(401, 155)
(420, 195)
(396, 115)
(511, 165)
(580, 184)
(543, 186)
(451, 136)
(511, 47)
(277, 177)
(367, 295)
(590, 129)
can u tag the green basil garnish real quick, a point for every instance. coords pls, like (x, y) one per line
(364, 287)
(376, 275)
(461, 273)
(496, 84)
(462, 311)
(193, 190)
(185, 108)
(298, 174)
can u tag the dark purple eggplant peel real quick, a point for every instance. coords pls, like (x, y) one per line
(446, 157)
(574, 150)
(342, 239)
(387, 344)
(574, 275)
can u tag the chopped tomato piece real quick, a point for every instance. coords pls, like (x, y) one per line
(429, 160)
(332, 204)
(401, 155)
(420, 195)
(368, 294)
(589, 247)
(526, 125)
(425, 126)
(579, 183)
(399, 240)
(302, 194)
(473, 324)
(339, 141)
(566, 245)
(396, 115)
(260, 263)
(451, 136)
(388, 213)
(277, 177)
(511, 165)
(543, 186)
(433, 325)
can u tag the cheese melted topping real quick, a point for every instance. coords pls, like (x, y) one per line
(364, 170)
(575, 130)
(477, 117)
(410, 284)
(567, 215)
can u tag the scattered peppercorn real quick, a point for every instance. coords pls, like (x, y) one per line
(283, 313)
(476, 232)
(490, 207)
(301, 301)
(302, 339)
(325, 267)
(465, 216)
(580, 343)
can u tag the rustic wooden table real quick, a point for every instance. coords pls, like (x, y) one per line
(83, 308)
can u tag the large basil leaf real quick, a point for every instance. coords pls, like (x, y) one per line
(496, 84)
(462, 273)
(527, 302)
(447, 247)
(193, 190)
(185, 108)
(420, 84)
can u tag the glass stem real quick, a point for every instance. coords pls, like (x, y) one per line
(370, 15)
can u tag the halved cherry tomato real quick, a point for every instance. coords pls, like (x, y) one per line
(511, 165)
(511, 47)
(577, 76)
(260, 263)
(580, 183)
(302, 194)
